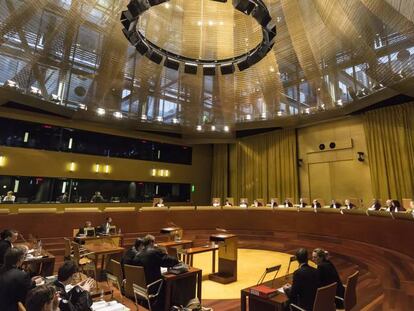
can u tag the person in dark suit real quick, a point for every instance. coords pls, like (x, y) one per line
(42, 298)
(152, 259)
(88, 225)
(335, 204)
(78, 298)
(376, 205)
(396, 206)
(14, 283)
(305, 283)
(97, 197)
(105, 227)
(327, 272)
(349, 205)
(8, 237)
(316, 204)
(287, 203)
(129, 256)
(302, 203)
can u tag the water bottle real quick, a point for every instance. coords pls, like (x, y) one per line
(39, 248)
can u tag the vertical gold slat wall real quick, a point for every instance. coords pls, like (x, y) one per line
(220, 169)
(261, 166)
(390, 141)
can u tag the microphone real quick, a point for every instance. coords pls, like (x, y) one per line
(292, 258)
(269, 270)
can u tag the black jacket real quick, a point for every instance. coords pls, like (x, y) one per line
(152, 258)
(336, 205)
(75, 300)
(4, 247)
(318, 205)
(304, 286)
(14, 286)
(329, 275)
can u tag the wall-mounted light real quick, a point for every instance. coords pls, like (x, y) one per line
(107, 169)
(160, 173)
(96, 168)
(72, 166)
(2, 161)
(361, 156)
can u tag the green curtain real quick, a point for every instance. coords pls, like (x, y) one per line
(261, 166)
(390, 140)
(220, 172)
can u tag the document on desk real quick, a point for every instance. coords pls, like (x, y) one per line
(108, 306)
(163, 270)
(280, 290)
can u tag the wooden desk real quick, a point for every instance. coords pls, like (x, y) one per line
(43, 266)
(227, 265)
(103, 250)
(256, 303)
(180, 288)
(188, 254)
(114, 239)
(176, 243)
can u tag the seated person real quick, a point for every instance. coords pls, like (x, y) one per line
(412, 206)
(305, 283)
(302, 203)
(349, 205)
(287, 203)
(9, 197)
(227, 203)
(14, 283)
(243, 203)
(256, 203)
(78, 298)
(152, 258)
(105, 228)
(375, 206)
(84, 230)
(216, 203)
(316, 204)
(64, 198)
(327, 272)
(160, 203)
(272, 203)
(8, 237)
(396, 207)
(42, 298)
(335, 204)
(129, 255)
(97, 197)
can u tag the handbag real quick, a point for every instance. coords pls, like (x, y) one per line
(179, 268)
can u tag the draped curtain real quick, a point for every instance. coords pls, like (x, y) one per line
(261, 166)
(390, 140)
(220, 172)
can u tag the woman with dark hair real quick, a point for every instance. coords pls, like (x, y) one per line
(14, 283)
(42, 298)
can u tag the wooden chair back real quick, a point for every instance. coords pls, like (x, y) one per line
(114, 274)
(75, 232)
(218, 200)
(133, 275)
(406, 204)
(68, 248)
(350, 297)
(325, 298)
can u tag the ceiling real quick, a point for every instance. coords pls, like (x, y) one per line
(328, 54)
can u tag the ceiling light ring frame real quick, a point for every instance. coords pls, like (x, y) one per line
(256, 8)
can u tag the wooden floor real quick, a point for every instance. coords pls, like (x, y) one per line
(386, 280)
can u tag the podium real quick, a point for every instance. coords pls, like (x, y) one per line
(227, 258)
(174, 233)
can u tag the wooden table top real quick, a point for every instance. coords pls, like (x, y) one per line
(95, 237)
(276, 283)
(175, 243)
(103, 249)
(200, 249)
(191, 270)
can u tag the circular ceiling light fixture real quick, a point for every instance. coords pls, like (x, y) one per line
(254, 8)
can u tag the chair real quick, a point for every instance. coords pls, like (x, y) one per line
(261, 201)
(406, 204)
(324, 300)
(350, 298)
(114, 276)
(20, 307)
(136, 283)
(83, 260)
(216, 200)
(245, 200)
